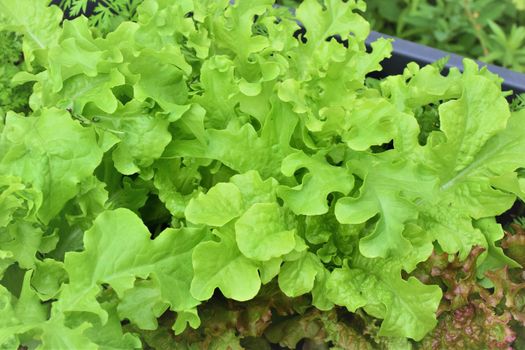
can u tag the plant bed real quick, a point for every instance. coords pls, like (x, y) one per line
(199, 178)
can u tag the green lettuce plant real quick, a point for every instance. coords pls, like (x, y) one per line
(203, 151)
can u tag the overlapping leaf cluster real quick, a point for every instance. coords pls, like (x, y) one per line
(204, 148)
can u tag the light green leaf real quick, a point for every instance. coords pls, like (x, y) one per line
(493, 257)
(174, 179)
(143, 135)
(168, 258)
(56, 336)
(407, 306)
(221, 265)
(451, 227)
(36, 20)
(310, 197)
(392, 191)
(26, 318)
(337, 19)
(233, 31)
(17, 200)
(499, 155)
(20, 236)
(222, 203)
(254, 189)
(467, 126)
(262, 233)
(320, 292)
(229, 145)
(419, 87)
(143, 304)
(23, 240)
(48, 277)
(37, 149)
(372, 122)
(270, 269)
(297, 276)
(485, 152)
(160, 78)
(184, 318)
(88, 204)
(110, 335)
(79, 91)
